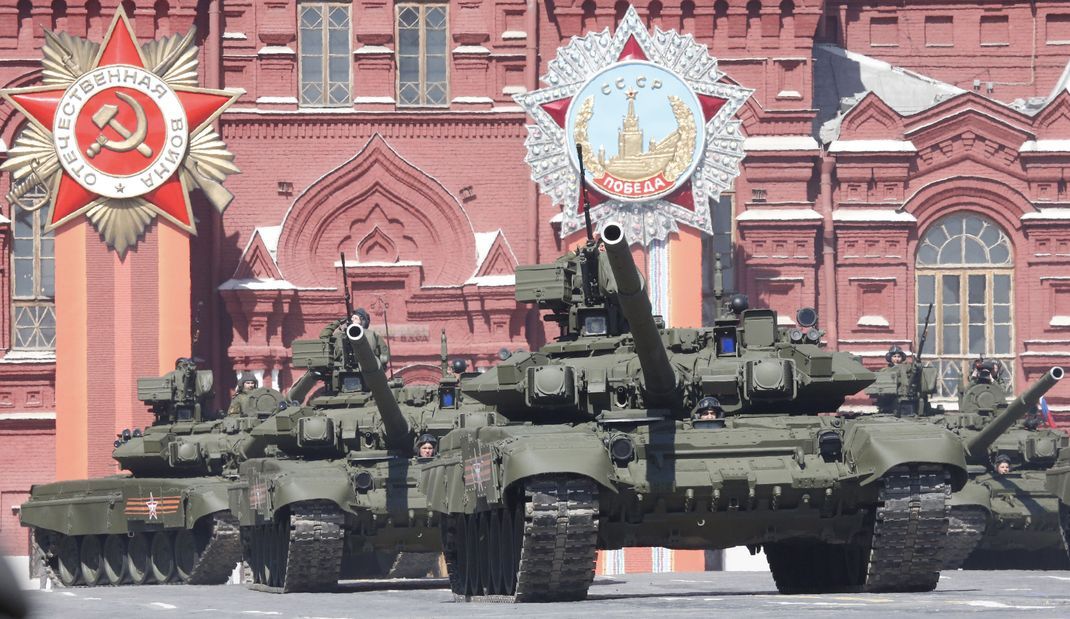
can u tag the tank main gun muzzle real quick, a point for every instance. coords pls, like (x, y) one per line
(659, 377)
(394, 421)
(1027, 401)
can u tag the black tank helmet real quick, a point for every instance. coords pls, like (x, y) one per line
(894, 350)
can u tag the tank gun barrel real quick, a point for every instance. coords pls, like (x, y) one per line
(658, 374)
(1025, 402)
(397, 427)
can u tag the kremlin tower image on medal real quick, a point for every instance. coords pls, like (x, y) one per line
(494, 300)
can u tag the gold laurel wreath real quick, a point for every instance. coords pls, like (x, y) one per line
(682, 153)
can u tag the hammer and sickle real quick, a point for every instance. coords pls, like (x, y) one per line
(106, 117)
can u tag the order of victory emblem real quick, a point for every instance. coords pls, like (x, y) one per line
(120, 132)
(654, 123)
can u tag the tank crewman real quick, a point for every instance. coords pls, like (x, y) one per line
(377, 343)
(246, 384)
(426, 446)
(895, 356)
(1003, 464)
(708, 413)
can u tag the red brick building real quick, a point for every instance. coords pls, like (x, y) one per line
(897, 154)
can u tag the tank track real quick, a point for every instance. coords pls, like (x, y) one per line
(965, 530)
(556, 539)
(910, 533)
(220, 555)
(1049, 559)
(312, 557)
(904, 551)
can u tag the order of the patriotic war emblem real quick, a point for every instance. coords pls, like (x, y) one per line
(654, 121)
(121, 133)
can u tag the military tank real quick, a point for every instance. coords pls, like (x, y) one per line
(336, 494)
(595, 441)
(165, 521)
(1028, 525)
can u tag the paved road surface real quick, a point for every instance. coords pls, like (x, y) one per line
(995, 594)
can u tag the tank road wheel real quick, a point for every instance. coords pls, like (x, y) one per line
(68, 561)
(495, 547)
(138, 553)
(114, 556)
(91, 560)
(472, 555)
(162, 557)
(488, 554)
(187, 553)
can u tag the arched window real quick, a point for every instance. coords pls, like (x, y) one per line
(33, 274)
(965, 268)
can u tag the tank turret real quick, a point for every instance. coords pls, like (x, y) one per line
(979, 443)
(398, 431)
(658, 375)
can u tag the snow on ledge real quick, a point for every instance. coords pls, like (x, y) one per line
(361, 100)
(1045, 146)
(779, 214)
(872, 146)
(256, 284)
(287, 100)
(32, 416)
(779, 142)
(471, 49)
(1059, 321)
(509, 35)
(784, 321)
(873, 321)
(372, 50)
(872, 214)
(378, 265)
(275, 50)
(29, 356)
(235, 36)
(1047, 213)
(4, 220)
(493, 280)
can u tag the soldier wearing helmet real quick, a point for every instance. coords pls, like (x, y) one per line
(895, 356)
(247, 383)
(426, 446)
(708, 413)
(1003, 464)
(378, 343)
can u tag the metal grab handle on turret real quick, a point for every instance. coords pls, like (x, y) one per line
(659, 376)
(1025, 402)
(397, 426)
(300, 389)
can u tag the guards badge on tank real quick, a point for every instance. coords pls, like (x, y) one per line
(120, 132)
(654, 123)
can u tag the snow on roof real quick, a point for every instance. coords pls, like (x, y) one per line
(872, 146)
(780, 142)
(778, 214)
(270, 236)
(378, 264)
(842, 77)
(493, 280)
(256, 284)
(872, 214)
(1045, 146)
(1047, 213)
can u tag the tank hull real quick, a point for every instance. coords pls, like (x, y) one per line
(128, 530)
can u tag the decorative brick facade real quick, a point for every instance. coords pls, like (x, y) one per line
(850, 162)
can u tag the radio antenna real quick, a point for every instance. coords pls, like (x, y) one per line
(583, 194)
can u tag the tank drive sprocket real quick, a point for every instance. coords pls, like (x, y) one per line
(299, 551)
(540, 547)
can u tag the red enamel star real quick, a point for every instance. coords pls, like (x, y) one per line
(632, 50)
(127, 126)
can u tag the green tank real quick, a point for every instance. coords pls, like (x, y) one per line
(607, 438)
(336, 494)
(998, 521)
(168, 519)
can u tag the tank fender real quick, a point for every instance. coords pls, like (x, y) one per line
(876, 445)
(972, 494)
(201, 502)
(326, 484)
(572, 453)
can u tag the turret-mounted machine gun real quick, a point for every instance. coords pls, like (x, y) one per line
(903, 389)
(182, 394)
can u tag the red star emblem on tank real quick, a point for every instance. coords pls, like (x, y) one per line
(123, 124)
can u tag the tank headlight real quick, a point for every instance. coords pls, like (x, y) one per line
(621, 450)
(830, 445)
(363, 481)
